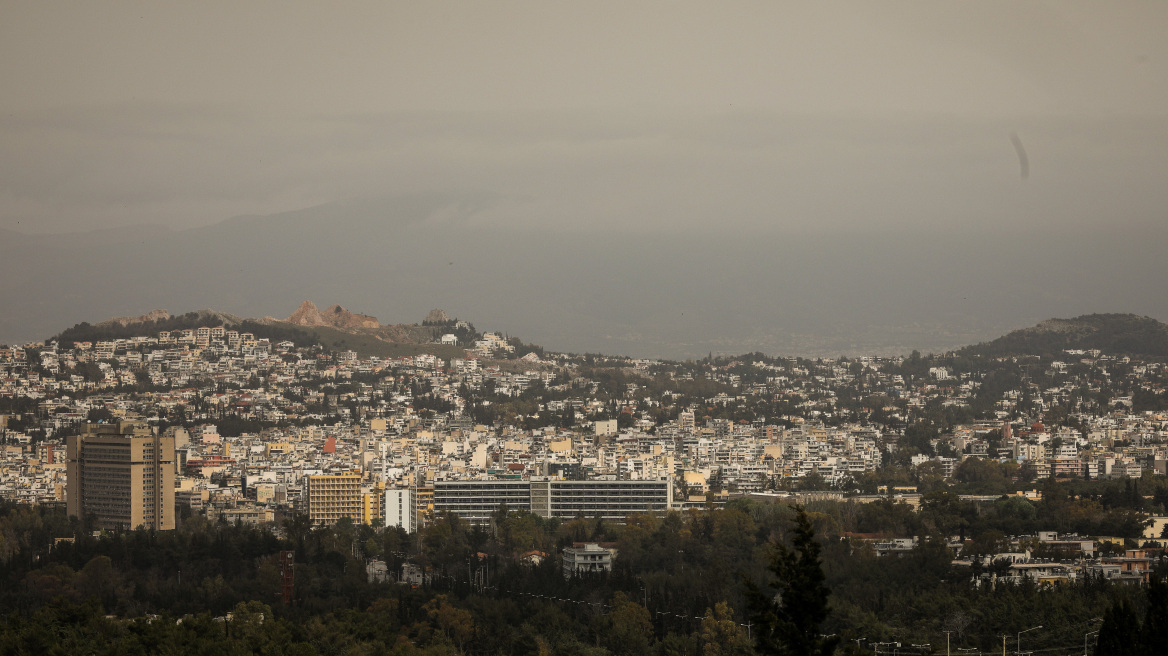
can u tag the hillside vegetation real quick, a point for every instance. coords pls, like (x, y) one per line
(1126, 334)
(364, 345)
(327, 337)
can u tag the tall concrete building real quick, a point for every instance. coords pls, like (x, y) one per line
(123, 474)
(332, 497)
(401, 508)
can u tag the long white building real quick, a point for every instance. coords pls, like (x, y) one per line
(475, 500)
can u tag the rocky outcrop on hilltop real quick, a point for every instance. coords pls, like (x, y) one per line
(437, 316)
(341, 318)
(307, 315)
(334, 316)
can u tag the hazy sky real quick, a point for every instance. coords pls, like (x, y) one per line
(641, 115)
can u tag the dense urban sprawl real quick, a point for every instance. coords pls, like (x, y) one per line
(274, 413)
(961, 462)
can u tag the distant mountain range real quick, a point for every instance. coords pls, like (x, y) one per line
(676, 294)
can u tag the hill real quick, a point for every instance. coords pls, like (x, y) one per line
(365, 345)
(1126, 334)
(146, 324)
(334, 329)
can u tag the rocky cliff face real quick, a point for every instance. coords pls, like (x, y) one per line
(437, 316)
(307, 315)
(338, 317)
(335, 316)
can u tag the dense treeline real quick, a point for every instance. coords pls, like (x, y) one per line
(678, 586)
(87, 332)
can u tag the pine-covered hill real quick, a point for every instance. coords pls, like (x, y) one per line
(1115, 334)
(149, 325)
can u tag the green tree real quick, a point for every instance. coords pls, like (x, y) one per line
(789, 621)
(920, 436)
(720, 635)
(627, 627)
(455, 623)
(1120, 631)
(1154, 633)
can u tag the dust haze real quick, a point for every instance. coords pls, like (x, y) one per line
(659, 178)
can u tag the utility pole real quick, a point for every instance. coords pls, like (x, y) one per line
(947, 642)
(1003, 644)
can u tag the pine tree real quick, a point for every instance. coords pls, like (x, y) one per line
(1120, 631)
(789, 622)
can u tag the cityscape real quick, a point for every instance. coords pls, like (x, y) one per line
(144, 430)
(652, 328)
(745, 425)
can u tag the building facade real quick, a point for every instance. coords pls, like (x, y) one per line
(122, 474)
(474, 501)
(329, 498)
(401, 508)
(584, 558)
(613, 500)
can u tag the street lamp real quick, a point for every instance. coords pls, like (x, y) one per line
(1018, 643)
(1088, 635)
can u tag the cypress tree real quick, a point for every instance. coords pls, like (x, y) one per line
(789, 620)
(1120, 632)
(1154, 632)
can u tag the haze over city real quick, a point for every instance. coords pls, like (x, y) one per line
(660, 179)
(591, 329)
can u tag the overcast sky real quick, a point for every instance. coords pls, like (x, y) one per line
(641, 115)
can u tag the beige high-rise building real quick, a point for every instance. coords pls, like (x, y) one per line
(330, 498)
(123, 474)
